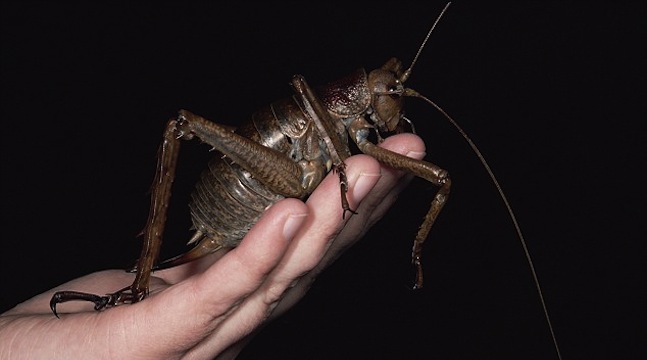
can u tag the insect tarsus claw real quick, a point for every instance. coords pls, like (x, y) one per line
(343, 215)
(100, 302)
(52, 304)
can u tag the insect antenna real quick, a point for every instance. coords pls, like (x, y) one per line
(522, 239)
(407, 72)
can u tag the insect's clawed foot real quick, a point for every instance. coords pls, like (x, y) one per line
(126, 295)
(343, 216)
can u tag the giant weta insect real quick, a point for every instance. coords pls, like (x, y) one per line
(301, 139)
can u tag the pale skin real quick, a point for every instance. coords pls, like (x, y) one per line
(211, 309)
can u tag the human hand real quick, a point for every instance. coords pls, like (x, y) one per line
(212, 306)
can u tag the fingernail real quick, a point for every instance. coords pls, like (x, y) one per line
(363, 185)
(416, 154)
(292, 225)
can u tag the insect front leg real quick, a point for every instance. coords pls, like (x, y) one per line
(359, 131)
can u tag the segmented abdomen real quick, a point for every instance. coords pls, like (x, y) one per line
(227, 200)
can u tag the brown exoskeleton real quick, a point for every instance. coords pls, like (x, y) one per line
(300, 139)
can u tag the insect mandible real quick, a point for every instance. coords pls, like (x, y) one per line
(302, 138)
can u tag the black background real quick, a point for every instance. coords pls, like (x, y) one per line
(554, 95)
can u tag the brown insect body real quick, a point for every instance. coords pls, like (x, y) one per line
(228, 200)
(285, 150)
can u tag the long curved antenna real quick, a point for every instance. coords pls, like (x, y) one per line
(522, 239)
(407, 73)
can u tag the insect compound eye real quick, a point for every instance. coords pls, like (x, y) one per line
(395, 91)
(385, 84)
